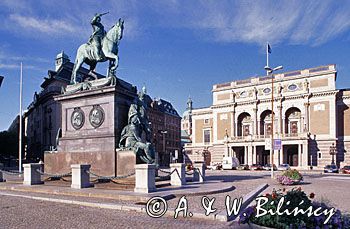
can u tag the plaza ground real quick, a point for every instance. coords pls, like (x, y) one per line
(23, 212)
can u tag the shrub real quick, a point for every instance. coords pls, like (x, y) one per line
(289, 177)
(295, 196)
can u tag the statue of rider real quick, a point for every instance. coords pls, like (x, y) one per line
(97, 36)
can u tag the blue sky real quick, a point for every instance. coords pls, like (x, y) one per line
(175, 48)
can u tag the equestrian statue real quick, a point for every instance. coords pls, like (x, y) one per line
(101, 47)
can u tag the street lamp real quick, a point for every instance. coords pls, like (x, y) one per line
(226, 141)
(333, 151)
(270, 71)
(163, 132)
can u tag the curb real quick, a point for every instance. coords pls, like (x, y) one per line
(123, 197)
(221, 216)
(246, 201)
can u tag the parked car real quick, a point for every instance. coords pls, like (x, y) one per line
(243, 167)
(331, 169)
(256, 167)
(229, 163)
(268, 167)
(215, 166)
(346, 169)
(283, 167)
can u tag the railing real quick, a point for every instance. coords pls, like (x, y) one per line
(264, 136)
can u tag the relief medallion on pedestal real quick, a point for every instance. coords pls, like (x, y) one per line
(96, 116)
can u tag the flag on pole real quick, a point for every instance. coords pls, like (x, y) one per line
(268, 48)
(1, 78)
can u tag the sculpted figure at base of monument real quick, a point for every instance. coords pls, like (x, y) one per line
(131, 136)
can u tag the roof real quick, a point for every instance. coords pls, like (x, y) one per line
(166, 107)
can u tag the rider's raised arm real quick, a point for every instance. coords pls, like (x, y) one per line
(95, 19)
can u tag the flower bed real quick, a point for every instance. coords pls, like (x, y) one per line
(290, 177)
(297, 199)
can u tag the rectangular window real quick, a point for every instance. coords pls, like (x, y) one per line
(206, 121)
(206, 138)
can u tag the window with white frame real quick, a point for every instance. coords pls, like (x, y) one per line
(206, 136)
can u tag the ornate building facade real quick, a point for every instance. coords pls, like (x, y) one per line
(310, 115)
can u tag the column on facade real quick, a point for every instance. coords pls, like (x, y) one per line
(255, 121)
(307, 116)
(280, 123)
(245, 154)
(233, 129)
(258, 129)
(304, 157)
(254, 154)
(250, 155)
(299, 155)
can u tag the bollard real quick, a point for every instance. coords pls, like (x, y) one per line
(199, 172)
(81, 176)
(145, 181)
(1, 177)
(32, 176)
(178, 178)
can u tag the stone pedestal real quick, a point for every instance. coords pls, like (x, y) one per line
(1, 177)
(178, 178)
(31, 174)
(199, 172)
(80, 176)
(126, 160)
(91, 123)
(145, 178)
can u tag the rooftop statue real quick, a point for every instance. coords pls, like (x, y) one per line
(131, 136)
(101, 47)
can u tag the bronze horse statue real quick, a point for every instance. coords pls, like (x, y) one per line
(110, 42)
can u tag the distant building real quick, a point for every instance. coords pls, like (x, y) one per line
(186, 127)
(310, 117)
(165, 123)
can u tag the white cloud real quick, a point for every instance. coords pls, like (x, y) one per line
(49, 26)
(297, 22)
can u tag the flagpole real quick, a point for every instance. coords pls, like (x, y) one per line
(20, 121)
(267, 57)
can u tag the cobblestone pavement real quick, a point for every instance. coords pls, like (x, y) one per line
(244, 183)
(331, 189)
(16, 213)
(26, 213)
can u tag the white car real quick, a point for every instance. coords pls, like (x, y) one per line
(283, 167)
(229, 162)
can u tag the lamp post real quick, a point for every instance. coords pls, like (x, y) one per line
(226, 141)
(270, 71)
(333, 151)
(163, 132)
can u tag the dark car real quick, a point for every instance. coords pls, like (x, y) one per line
(243, 167)
(256, 167)
(268, 167)
(331, 169)
(346, 169)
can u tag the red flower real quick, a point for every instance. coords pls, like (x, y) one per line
(312, 195)
(274, 195)
(267, 194)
